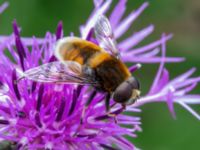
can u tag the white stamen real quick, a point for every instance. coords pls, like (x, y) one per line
(138, 65)
(3, 88)
(172, 89)
(49, 145)
(13, 121)
(58, 88)
(24, 141)
(22, 103)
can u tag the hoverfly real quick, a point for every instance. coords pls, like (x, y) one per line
(85, 63)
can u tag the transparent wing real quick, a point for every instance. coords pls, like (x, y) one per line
(105, 36)
(68, 72)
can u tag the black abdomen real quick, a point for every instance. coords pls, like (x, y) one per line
(111, 73)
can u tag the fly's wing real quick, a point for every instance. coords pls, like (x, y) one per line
(105, 36)
(68, 72)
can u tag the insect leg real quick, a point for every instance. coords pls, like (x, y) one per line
(91, 97)
(107, 102)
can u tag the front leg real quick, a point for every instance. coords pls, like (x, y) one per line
(107, 102)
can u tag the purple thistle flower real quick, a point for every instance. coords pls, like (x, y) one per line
(47, 116)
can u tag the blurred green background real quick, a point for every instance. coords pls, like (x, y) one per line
(181, 17)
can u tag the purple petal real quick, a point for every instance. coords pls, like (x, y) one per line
(184, 76)
(188, 82)
(16, 28)
(107, 147)
(97, 3)
(126, 23)
(150, 54)
(19, 45)
(39, 99)
(135, 39)
(135, 67)
(15, 85)
(189, 99)
(170, 103)
(150, 46)
(162, 82)
(73, 104)
(117, 13)
(90, 35)
(26, 40)
(20, 51)
(195, 114)
(3, 88)
(185, 90)
(92, 19)
(123, 143)
(59, 31)
(151, 60)
(160, 70)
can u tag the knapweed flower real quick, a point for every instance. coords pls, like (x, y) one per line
(38, 116)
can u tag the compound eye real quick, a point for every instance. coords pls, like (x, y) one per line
(135, 84)
(123, 92)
